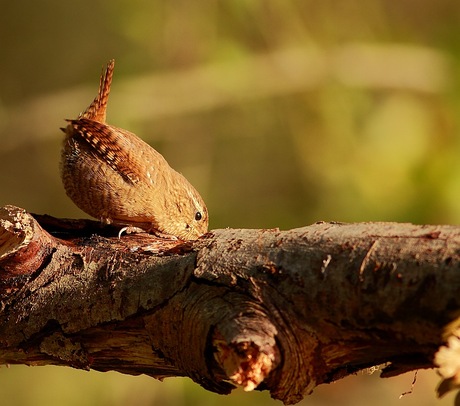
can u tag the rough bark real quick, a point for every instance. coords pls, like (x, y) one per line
(278, 310)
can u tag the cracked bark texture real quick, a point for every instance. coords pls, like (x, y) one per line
(273, 310)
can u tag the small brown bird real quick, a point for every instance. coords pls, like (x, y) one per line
(114, 176)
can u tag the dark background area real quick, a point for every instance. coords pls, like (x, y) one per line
(281, 113)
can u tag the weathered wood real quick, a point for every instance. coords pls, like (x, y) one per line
(278, 310)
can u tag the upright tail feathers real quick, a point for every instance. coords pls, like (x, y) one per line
(97, 109)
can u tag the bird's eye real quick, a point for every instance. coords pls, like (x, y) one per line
(198, 216)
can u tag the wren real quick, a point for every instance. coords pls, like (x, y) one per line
(114, 176)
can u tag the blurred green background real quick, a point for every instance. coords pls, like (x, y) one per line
(280, 112)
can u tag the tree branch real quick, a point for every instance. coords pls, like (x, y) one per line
(278, 310)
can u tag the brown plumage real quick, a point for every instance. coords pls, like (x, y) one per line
(114, 176)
